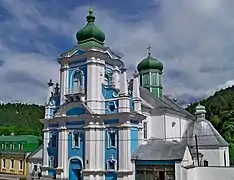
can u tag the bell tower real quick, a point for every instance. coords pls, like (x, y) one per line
(151, 70)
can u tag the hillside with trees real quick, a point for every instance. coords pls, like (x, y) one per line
(24, 119)
(21, 119)
(220, 112)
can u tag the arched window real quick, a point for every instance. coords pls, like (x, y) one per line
(78, 80)
(145, 130)
(154, 79)
(146, 79)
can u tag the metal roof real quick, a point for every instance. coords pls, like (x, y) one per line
(207, 136)
(160, 150)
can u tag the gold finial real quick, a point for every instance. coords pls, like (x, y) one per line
(149, 49)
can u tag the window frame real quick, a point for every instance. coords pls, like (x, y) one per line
(145, 129)
(20, 146)
(73, 140)
(109, 131)
(12, 146)
(12, 164)
(3, 163)
(21, 165)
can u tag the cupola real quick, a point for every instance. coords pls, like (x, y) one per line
(90, 32)
(150, 63)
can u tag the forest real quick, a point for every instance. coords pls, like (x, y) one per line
(22, 119)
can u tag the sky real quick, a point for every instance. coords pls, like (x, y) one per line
(193, 39)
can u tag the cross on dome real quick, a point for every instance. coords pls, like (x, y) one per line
(149, 49)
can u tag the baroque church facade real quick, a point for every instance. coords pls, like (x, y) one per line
(100, 126)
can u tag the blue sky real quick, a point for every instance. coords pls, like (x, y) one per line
(193, 39)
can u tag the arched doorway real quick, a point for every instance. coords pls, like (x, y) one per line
(75, 168)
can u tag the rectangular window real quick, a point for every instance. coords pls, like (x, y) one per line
(3, 146)
(145, 129)
(12, 163)
(11, 146)
(76, 139)
(3, 163)
(21, 165)
(20, 146)
(51, 161)
(112, 138)
(53, 139)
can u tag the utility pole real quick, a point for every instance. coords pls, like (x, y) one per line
(197, 150)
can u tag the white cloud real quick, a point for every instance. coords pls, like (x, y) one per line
(194, 39)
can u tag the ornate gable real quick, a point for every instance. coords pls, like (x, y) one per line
(73, 109)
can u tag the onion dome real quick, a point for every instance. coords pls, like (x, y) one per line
(90, 32)
(150, 63)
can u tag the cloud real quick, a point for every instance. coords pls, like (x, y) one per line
(193, 39)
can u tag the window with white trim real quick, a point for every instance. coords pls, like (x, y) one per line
(3, 163)
(51, 161)
(11, 146)
(145, 129)
(20, 164)
(21, 146)
(3, 146)
(12, 163)
(111, 163)
(112, 138)
(53, 140)
(76, 139)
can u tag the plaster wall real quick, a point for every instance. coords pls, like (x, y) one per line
(210, 173)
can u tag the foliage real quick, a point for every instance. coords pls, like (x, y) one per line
(21, 119)
(220, 112)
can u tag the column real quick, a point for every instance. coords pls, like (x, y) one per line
(45, 151)
(63, 82)
(63, 150)
(124, 147)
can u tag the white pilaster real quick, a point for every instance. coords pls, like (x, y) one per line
(90, 155)
(125, 147)
(116, 77)
(95, 69)
(100, 147)
(124, 101)
(63, 82)
(63, 149)
(45, 149)
(136, 93)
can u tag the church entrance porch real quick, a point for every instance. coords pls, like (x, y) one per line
(156, 172)
(75, 168)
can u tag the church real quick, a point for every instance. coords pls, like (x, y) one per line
(99, 125)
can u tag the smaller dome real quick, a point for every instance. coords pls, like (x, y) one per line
(150, 63)
(200, 109)
(90, 31)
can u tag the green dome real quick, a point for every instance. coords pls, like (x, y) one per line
(150, 63)
(90, 31)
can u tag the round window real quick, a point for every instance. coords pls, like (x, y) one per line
(112, 107)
